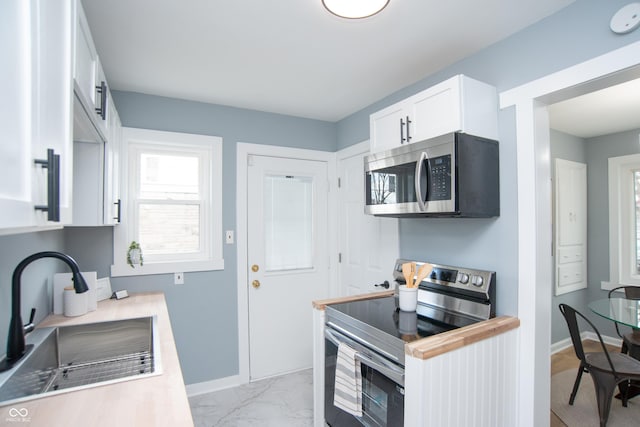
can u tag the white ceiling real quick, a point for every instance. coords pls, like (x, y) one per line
(607, 111)
(291, 56)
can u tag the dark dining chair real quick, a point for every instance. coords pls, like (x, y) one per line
(630, 343)
(607, 370)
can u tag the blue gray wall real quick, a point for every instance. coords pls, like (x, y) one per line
(203, 311)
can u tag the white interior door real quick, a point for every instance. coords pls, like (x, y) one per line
(368, 245)
(288, 260)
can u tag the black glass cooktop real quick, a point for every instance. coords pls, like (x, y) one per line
(384, 315)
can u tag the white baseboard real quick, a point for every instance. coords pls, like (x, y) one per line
(588, 335)
(214, 385)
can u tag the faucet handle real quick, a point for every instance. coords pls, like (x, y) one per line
(30, 326)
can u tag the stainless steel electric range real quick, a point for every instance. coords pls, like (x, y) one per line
(449, 298)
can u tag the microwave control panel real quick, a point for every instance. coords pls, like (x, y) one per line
(439, 178)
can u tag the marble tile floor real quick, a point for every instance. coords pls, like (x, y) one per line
(283, 401)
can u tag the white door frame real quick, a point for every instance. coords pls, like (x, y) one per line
(534, 213)
(243, 151)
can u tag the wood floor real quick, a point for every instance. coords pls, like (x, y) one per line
(566, 359)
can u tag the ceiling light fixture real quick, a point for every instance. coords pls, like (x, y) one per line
(354, 9)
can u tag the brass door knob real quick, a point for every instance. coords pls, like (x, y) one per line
(255, 268)
(255, 284)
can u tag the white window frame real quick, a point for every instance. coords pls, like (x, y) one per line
(209, 149)
(621, 222)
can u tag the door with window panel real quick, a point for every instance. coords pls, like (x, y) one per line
(288, 260)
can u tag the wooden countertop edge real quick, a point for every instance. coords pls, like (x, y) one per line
(323, 303)
(436, 345)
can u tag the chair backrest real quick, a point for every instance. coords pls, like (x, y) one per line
(571, 316)
(630, 292)
(572, 322)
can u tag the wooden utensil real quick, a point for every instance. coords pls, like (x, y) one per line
(408, 271)
(423, 272)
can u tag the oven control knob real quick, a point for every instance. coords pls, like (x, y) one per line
(464, 278)
(477, 281)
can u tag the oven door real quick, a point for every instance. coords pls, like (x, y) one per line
(382, 387)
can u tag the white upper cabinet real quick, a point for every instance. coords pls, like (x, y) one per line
(90, 82)
(35, 115)
(112, 202)
(96, 136)
(459, 104)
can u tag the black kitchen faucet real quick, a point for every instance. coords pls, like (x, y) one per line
(15, 341)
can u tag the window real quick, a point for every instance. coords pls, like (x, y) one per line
(171, 203)
(624, 221)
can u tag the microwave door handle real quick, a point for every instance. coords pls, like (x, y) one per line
(419, 165)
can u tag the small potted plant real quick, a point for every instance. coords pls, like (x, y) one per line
(134, 254)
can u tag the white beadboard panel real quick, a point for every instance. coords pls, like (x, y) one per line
(318, 367)
(474, 385)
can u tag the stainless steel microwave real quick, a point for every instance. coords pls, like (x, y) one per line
(453, 175)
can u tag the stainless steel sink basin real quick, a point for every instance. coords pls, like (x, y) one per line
(68, 358)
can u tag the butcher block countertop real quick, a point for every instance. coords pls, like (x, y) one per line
(445, 342)
(159, 400)
(322, 304)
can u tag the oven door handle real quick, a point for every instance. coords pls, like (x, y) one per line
(421, 203)
(394, 373)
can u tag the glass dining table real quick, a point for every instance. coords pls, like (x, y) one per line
(620, 310)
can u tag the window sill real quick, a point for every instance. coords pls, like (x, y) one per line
(122, 270)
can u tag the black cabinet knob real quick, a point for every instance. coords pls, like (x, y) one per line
(384, 284)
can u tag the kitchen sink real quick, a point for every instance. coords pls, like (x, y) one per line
(75, 357)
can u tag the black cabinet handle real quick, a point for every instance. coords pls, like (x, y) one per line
(102, 91)
(53, 185)
(119, 205)
(402, 140)
(408, 127)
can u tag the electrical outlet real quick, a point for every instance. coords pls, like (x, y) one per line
(178, 278)
(229, 237)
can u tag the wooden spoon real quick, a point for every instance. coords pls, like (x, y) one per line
(423, 272)
(408, 271)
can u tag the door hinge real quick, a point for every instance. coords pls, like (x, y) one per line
(339, 183)
(339, 257)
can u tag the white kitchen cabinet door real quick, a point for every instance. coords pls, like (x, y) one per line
(112, 202)
(387, 127)
(90, 82)
(459, 104)
(85, 71)
(16, 207)
(570, 200)
(35, 82)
